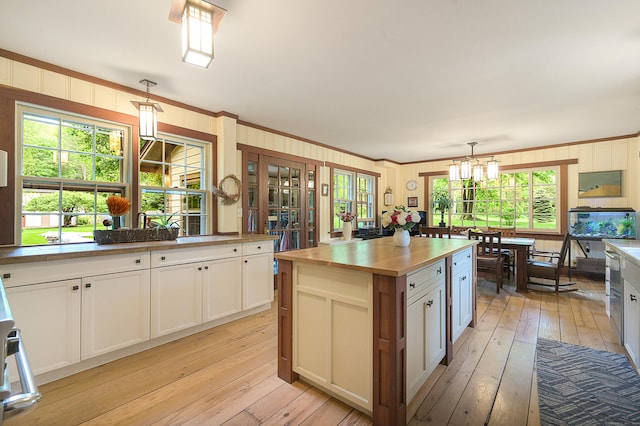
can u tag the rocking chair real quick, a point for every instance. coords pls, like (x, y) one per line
(550, 268)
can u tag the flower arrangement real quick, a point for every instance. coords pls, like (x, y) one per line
(118, 205)
(400, 218)
(346, 216)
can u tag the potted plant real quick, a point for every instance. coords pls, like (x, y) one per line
(441, 202)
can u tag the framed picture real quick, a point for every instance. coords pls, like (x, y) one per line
(412, 202)
(325, 189)
(600, 184)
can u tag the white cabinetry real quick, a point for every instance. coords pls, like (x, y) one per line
(222, 288)
(426, 324)
(461, 292)
(632, 321)
(257, 274)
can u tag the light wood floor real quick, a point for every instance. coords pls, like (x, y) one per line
(227, 375)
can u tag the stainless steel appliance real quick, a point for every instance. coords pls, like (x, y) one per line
(613, 282)
(12, 346)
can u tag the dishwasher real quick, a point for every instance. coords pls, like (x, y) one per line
(614, 292)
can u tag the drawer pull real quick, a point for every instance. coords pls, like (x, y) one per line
(412, 285)
(439, 270)
(87, 285)
(235, 249)
(455, 263)
(138, 261)
(206, 267)
(6, 276)
(464, 278)
(75, 288)
(199, 268)
(246, 261)
(429, 303)
(163, 258)
(633, 297)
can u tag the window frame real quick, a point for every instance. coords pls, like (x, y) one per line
(356, 200)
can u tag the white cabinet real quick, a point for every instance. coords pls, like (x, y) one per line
(48, 316)
(222, 288)
(257, 280)
(426, 324)
(632, 322)
(115, 311)
(176, 298)
(461, 292)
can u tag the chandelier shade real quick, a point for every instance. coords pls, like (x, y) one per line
(147, 115)
(471, 167)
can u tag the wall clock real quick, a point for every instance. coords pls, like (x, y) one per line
(412, 185)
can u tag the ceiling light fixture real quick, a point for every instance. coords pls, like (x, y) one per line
(148, 115)
(200, 20)
(471, 167)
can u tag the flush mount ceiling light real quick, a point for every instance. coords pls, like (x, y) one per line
(200, 21)
(471, 167)
(148, 114)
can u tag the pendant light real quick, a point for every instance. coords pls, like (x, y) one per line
(148, 115)
(471, 167)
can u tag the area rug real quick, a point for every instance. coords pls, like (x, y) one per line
(583, 386)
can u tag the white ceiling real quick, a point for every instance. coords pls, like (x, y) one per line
(408, 80)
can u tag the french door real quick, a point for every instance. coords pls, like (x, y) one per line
(280, 200)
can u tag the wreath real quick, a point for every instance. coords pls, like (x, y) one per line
(223, 191)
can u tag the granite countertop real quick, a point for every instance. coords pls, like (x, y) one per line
(379, 256)
(70, 251)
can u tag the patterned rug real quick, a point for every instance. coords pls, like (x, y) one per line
(582, 386)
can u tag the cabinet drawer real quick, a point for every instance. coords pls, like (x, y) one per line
(194, 254)
(57, 270)
(462, 258)
(422, 280)
(258, 247)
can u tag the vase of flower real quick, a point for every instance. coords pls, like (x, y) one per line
(401, 238)
(347, 227)
(401, 220)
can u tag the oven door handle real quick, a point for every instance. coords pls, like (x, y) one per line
(30, 394)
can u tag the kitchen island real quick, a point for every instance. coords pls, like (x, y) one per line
(343, 309)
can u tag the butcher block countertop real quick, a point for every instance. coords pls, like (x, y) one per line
(379, 256)
(10, 255)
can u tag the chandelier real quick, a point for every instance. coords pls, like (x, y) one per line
(148, 115)
(471, 167)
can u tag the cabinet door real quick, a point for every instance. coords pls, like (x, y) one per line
(416, 346)
(115, 311)
(48, 316)
(461, 293)
(631, 322)
(257, 280)
(222, 288)
(436, 327)
(176, 298)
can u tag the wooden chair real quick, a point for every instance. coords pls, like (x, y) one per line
(550, 268)
(434, 232)
(509, 255)
(489, 254)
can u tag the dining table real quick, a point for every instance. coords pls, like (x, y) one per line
(521, 248)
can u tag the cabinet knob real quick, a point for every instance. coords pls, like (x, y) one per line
(246, 261)
(235, 249)
(429, 303)
(206, 267)
(138, 261)
(6, 276)
(75, 288)
(200, 268)
(455, 263)
(633, 297)
(412, 285)
(259, 247)
(87, 285)
(464, 278)
(163, 258)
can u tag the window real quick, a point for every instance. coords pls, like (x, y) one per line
(525, 199)
(354, 192)
(172, 183)
(69, 166)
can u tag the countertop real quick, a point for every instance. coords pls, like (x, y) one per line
(629, 248)
(379, 256)
(71, 251)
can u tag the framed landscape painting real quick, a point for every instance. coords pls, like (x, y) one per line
(600, 184)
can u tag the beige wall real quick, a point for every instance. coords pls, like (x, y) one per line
(621, 154)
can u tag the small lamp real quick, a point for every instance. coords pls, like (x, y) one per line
(148, 115)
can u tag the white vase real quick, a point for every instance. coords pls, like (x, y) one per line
(346, 231)
(401, 238)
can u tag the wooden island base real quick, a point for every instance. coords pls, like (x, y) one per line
(387, 402)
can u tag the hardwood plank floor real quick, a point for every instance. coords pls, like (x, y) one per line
(227, 375)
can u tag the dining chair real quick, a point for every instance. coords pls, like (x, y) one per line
(489, 254)
(435, 232)
(509, 255)
(550, 268)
